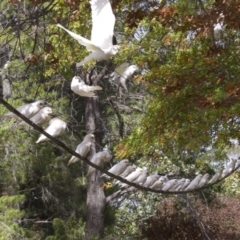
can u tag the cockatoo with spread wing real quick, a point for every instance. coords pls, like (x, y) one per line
(83, 148)
(40, 117)
(56, 127)
(101, 43)
(99, 159)
(79, 87)
(124, 72)
(28, 110)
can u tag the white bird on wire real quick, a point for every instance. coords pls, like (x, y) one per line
(183, 186)
(118, 168)
(83, 148)
(79, 87)
(230, 168)
(151, 180)
(55, 128)
(101, 43)
(159, 183)
(99, 159)
(128, 171)
(216, 176)
(169, 184)
(124, 72)
(179, 183)
(194, 183)
(132, 176)
(203, 181)
(142, 177)
(40, 117)
(28, 110)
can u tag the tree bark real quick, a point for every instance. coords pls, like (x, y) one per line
(96, 200)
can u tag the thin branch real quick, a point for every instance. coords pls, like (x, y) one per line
(119, 116)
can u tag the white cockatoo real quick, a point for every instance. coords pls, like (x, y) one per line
(124, 72)
(55, 128)
(99, 159)
(230, 168)
(28, 110)
(134, 175)
(183, 185)
(203, 181)
(118, 168)
(83, 148)
(216, 176)
(40, 117)
(142, 177)
(217, 31)
(169, 184)
(159, 183)
(151, 180)
(218, 27)
(194, 183)
(128, 171)
(79, 87)
(6, 85)
(179, 183)
(101, 43)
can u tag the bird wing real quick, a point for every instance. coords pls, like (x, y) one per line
(103, 21)
(81, 40)
(120, 70)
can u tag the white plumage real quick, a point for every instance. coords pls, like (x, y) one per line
(99, 159)
(56, 127)
(151, 180)
(28, 110)
(183, 185)
(6, 85)
(128, 170)
(118, 168)
(194, 183)
(79, 87)
(169, 184)
(83, 148)
(159, 183)
(142, 177)
(216, 176)
(40, 117)
(124, 72)
(101, 43)
(178, 184)
(217, 30)
(230, 167)
(203, 181)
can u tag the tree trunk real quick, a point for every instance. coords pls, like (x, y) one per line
(96, 200)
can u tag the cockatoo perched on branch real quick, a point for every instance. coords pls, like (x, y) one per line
(28, 110)
(124, 72)
(118, 168)
(40, 117)
(99, 159)
(79, 87)
(56, 127)
(101, 43)
(83, 148)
